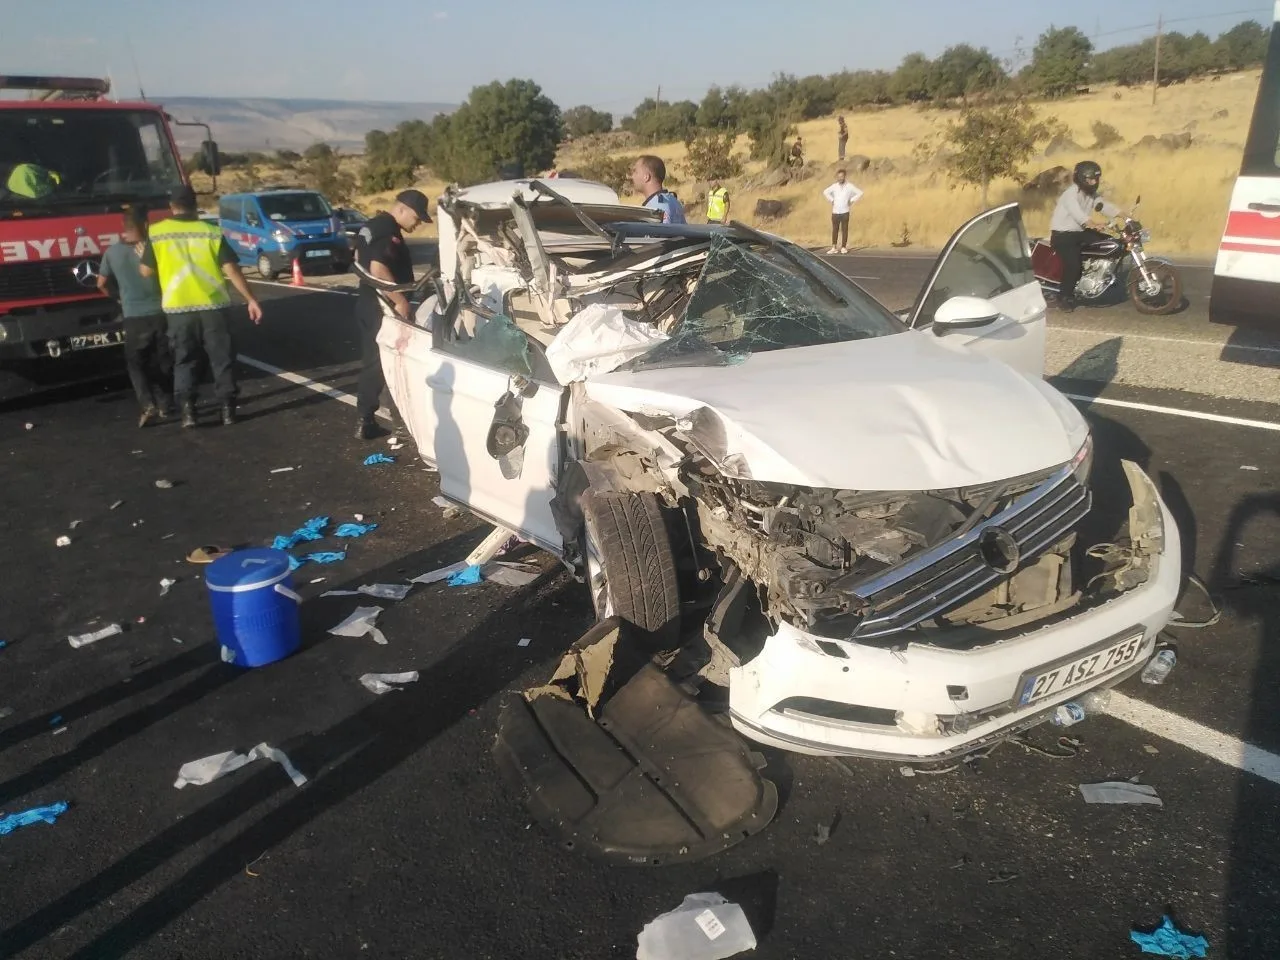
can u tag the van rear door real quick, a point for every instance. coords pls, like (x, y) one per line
(1246, 275)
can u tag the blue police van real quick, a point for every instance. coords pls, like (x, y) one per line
(269, 229)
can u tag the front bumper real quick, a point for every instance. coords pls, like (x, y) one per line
(899, 701)
(43, 332)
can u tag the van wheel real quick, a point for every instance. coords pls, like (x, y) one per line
(630, 568)
(265, 270)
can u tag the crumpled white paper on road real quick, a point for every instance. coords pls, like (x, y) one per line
(360, 622)
(383, 682)
(208, 769)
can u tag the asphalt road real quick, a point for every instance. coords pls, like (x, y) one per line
(406, 842)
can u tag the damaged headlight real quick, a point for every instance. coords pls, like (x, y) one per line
(1082, 462)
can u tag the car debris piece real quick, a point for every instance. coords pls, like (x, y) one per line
(1168, 941)
(704, 927)
(29, 426)
(117, 504)
(207, 769)
(166, 585)
(46, 814)
(385, 591)
(509, 574)
(598, 339)
(84, 639)
(1120, 792)
(360, 623)
(163, 484)
(376, 458)
(207, 554)
(381, 683)
(282, 470)
(63, 541)
(524, 642)
(466, 577)
(668, 782)
(355, 529)
(1245, 466)
(75, 523)
(444, 573)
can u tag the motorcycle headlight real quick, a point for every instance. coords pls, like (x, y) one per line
(1082, 462)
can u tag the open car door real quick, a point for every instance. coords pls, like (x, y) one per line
(990, 257)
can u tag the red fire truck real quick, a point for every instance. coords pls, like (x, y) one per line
(71, 160)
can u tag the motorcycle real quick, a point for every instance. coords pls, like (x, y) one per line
(1153, 285)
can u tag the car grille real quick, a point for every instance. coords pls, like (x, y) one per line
(44, 278)
(943, 577)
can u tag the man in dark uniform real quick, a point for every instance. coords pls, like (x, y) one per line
(381, 250)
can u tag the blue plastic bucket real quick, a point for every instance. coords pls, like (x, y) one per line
(255, 610)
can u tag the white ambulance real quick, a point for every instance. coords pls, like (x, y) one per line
(1246, 276)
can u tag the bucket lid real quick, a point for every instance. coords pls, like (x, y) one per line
(247, 570)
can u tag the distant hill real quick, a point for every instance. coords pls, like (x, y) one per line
(240, 124)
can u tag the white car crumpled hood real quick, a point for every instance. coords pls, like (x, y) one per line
(902, 412)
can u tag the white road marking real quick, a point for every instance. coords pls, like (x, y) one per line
(321, 388)
(1143, 336)
(289, 286)
(1175, 412)
(1222, 747)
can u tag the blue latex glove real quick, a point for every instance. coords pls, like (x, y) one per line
(325, 556)
(375, 458)
(1168, 941)
(27, 817)
(355, 529)
(311, 530)
(465, 578)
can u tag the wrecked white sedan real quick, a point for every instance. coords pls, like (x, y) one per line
(873, 524)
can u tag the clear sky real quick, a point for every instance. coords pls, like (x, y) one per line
(608, 53)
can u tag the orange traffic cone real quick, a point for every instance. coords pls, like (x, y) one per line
(297, 272)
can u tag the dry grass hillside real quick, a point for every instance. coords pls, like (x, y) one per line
(1184, 191)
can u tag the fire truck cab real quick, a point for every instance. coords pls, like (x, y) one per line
(71, 161)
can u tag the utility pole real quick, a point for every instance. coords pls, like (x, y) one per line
(1155, 81)
(658, 102)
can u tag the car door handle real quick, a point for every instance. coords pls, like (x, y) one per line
(1265, 207)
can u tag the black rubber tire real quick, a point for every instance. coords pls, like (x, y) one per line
(270, 273)
(1169, 280)
(639, 567)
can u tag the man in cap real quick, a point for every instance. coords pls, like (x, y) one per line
(195, 263)
(381, 250)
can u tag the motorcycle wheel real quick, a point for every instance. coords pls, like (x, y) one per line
(1166, 301)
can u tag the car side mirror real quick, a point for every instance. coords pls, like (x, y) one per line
(963, 313)
(212, 163)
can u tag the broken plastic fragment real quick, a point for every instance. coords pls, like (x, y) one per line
(444, 573)
(466, 577)
(116, 504)
(510, 574)
(63, 541)
(282, 469)
(163, 484)
(383, 682)
(165, 585)
(47, 814)
(524, 642)
(704, 927)
(386, 591)
(75, 523)
(355, 529)
(376, 458)
(207, 769)
(360, 623)
(1168, 941)
(1120, 792)
(84, 639)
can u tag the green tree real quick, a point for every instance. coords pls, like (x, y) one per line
(322, 171)
(715, 111)
(1244, 45)
(499, 125)
(911, 81)
(1059, 62)
(654, 122)
(961, 71)
(318, 152)
(584, 121)
(993, 140)
(710, 155)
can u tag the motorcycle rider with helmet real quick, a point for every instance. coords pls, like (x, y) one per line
(1069, 230)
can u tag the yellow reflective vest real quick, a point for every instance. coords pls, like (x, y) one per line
(717, 204)
(187, 265)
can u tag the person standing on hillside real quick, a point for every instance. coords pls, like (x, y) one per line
(717, 202)
(842, 195)
(146, 334)
(647, 174)
(381, 251)
(842, 138)
(194, 264)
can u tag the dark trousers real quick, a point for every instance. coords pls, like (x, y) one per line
(149, 359)
(1067, 245)
(372, 382)
(841, 143)
(840, 228)
(207, 332)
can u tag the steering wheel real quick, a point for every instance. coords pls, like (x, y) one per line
(106, 175)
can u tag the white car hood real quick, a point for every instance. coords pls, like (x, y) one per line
(902, 412)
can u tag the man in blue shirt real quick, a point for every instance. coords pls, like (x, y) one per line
(647, 175)
(146, 335)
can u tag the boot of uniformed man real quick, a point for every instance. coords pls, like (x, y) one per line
(195, 263)
(381, 249)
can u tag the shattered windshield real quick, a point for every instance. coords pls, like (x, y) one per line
(753, 297)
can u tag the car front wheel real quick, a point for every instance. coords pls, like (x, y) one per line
(265, 269)
(630, 568)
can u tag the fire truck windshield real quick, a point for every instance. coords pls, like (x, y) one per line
(52, 158)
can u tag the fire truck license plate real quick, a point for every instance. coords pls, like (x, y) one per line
(88, 341)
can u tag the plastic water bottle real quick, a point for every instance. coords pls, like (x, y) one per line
(1159, 667)
(1076, 710)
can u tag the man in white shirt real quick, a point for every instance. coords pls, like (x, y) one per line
(842, 195)
(1069, 228)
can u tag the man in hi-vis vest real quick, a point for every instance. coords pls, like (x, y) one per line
(194, 262)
